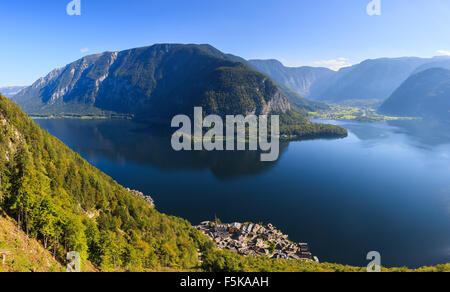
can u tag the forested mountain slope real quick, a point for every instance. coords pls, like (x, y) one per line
(68, 205)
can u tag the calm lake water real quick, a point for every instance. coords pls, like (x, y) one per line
(384, 188)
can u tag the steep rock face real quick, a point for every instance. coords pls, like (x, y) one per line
(425, 94)
(78, 82)
(154, 83)
(276, 104)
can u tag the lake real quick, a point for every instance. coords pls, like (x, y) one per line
(385, 188)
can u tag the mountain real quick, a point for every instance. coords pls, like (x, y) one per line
(370, 80)
(425, 94)
(154, 83)
(11, 90)
(300, 79)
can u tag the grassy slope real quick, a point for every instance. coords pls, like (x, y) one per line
(25, 254)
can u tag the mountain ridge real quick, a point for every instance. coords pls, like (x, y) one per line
(81, 86)
(372, 79)
(155, 83)
(140, 72)
(425, 94)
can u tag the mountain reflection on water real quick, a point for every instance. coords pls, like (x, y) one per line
(125, 141)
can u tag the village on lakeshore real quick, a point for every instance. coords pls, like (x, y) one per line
(250, 239)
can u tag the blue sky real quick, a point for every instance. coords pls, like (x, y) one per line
(38, 36)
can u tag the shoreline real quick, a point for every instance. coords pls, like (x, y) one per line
(81, 117)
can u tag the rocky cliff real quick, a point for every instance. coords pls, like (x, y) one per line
(154, 83)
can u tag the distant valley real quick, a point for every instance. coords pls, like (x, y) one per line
(405, 87)
(370, 80)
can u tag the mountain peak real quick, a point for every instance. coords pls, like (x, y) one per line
(154, 82)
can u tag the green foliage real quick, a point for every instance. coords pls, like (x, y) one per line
(235, 89)
(21, 253)
(153, 84)
(295, 126)
(68, 205)
(226, 261)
